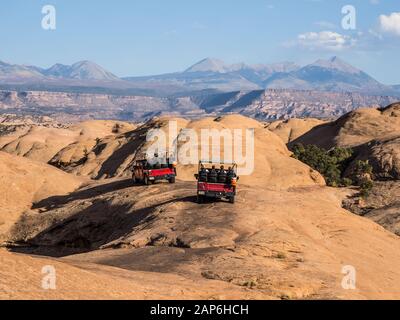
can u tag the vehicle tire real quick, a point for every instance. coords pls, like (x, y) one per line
(200, 199)
(146, 181)
(172, 180)
(134, 179)
(232, 199)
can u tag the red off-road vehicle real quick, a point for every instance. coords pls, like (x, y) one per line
(147, 173)
(216, 182)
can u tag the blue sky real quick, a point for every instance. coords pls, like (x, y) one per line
(138, 37)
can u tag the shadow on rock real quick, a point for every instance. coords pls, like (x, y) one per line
(82, 194)
(59, 233)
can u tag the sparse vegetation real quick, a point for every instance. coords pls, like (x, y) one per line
(116, 128)
(280, 255)
(331, 164)
(334, 164)
(365, 188)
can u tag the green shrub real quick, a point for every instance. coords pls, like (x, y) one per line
(334, 163)
(347, 182)
(362, 168)
(365, 188)
(331, 164)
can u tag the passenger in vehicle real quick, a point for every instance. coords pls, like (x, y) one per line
(230, 175)
(157, 166)
(213, 175)
(222, 174)
(203, 174)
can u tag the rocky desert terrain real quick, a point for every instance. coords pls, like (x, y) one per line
(374, 136)
(71, 204)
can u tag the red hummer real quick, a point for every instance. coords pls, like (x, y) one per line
(217, 183)
(148, 174)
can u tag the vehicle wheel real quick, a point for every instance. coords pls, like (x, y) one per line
(172, 180)
(146, 181)
(200, 199)
(134, 179)
(232, 199)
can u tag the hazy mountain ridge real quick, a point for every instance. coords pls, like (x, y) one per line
(84, 90)
(82, 70)
(328, 75)
(215, 74)
(11, 71)
(333, 75)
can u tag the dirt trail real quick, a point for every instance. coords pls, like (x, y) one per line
(281, 244)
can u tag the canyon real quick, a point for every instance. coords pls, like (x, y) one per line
(264, 105)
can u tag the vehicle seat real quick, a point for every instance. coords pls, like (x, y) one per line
(213, 176)
(222, 176)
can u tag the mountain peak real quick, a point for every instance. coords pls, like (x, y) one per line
(2, 63)
(335, 63)
(82, 70)
(85, 63)
(208, 65)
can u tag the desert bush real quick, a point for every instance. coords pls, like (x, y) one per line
(362, 168)
(347, 182)
(116, 128)
(331, 164)
(365, 188)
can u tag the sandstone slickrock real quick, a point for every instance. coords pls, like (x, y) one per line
(374, 134)
(21, 278)
(23, 181)
(286, 237)
(356, 128)
(291, 129)
(43, 142)
(281, 244)
(273, 166)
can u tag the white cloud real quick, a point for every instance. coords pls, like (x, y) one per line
(391, 23)
(324, 40)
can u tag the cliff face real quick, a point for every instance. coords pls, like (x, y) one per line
(265, 105)
(11, 99)
(286, 104)
(80, 105)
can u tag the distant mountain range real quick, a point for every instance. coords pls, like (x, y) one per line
(333, 75)
(83, 70)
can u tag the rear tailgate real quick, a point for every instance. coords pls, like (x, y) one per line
(215, 187)
(161, 172)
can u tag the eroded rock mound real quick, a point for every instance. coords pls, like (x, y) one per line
(289, 130)
(23, 181)
(42, 143)
(374, 135)
(384, 157)
(356, 128)
(286, 244)
(113, 156)
(22, 279)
